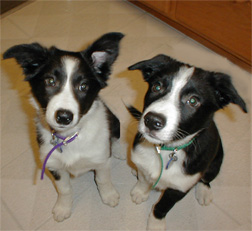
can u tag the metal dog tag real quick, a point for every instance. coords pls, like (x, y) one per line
(55, 141)
(172, 157)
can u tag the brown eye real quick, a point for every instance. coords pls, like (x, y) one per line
(83, 87)
(50, 82)
(193, 101)
(157, 87)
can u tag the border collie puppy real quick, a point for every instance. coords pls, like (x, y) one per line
(178, 145)
(75, 130)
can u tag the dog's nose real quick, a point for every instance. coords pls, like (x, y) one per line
(64, 117)
(154, 121)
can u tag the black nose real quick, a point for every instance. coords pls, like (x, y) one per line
(64, 117)
(154, 121)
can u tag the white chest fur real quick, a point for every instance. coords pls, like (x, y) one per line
(149, 163)
(90, 149)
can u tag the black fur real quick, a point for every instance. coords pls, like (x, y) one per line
(40, 139)
(114, 125)
(40, 63)
(169, 198)
(55, 175)
(134, 112)
(65, 89)
(212, 91)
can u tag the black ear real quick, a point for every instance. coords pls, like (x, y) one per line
(225, 92)
(103, 53)
(148, 67)
(31, 57)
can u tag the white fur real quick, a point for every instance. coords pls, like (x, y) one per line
(93, 138)
(149, 164)
(89, 151)
(203, 194)
(146, 158)
(65, 99)
(169, 107)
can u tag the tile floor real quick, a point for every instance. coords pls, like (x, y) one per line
(26, 202)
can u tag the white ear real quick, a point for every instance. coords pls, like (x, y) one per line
(99, 57)
(186, 72)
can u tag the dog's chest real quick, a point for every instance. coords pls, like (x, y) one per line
(79, 156)
(149, 163)
(90, 149)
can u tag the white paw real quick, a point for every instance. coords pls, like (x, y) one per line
(62, 209)
(155, 224)
(110, 197)
(138, 196)
(203, 194)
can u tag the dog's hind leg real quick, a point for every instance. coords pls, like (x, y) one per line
(203, 192)
(141, 191)
(170, 197)
(107, 191)
(63, 206)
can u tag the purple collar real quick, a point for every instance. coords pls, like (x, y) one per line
(65, 141)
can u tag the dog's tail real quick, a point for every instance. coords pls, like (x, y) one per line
(134, 112)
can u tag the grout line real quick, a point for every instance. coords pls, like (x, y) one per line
(19, 28)
(15, 158)
(11, 214)
(43, 223)
(227, 214)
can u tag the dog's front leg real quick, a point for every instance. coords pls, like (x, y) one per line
(141, 191)
(63, 206)
(106, 189)
(156, 220)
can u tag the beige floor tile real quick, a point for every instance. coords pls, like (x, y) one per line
(8, 221)
(10, 30)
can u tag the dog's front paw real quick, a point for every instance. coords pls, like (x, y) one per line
(155, 224)
(203, 194)
(138, 195)
(62, 208)
(109, 196)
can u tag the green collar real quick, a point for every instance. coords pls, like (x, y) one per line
(165, 148)
(172, 156)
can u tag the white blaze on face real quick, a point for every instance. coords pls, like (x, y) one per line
(168, 106)
(65, 98)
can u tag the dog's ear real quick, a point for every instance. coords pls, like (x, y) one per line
(102, 54)
(225, 92)
(31, 57)
(148, 67)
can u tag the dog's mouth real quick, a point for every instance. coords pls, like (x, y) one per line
(152, 136)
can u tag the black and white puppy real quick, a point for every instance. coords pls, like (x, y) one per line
(70, 114)
(178, 145)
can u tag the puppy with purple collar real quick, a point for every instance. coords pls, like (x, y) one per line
(178, 145)
(75, 129)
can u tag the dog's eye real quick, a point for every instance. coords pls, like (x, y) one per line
(193, 101)
(157, 87)
(50, 82)
(83, 87)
